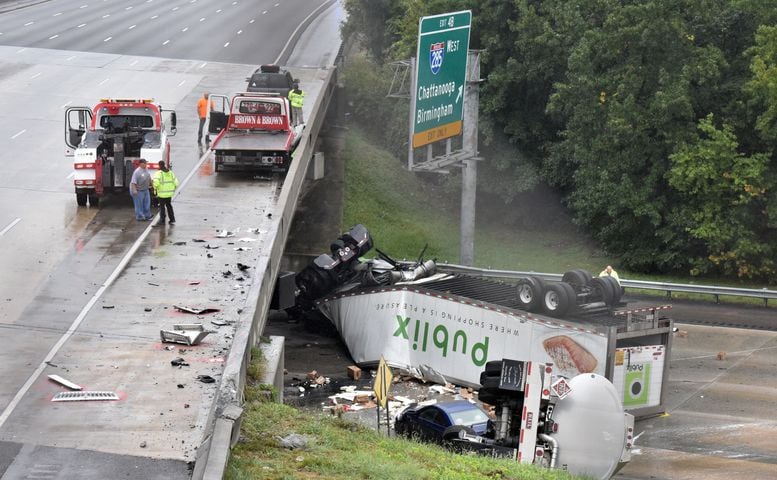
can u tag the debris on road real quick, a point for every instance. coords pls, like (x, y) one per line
(108, 306)
(84, 396)
(179, 362)
(185, 333)
(64, 382)
(242, 267)
(354, 372)
(206, 379)
(224, 234)
(196, 311)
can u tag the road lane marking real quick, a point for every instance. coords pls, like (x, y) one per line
(133, 63)
(57, 14)
(65, 105)
(252, 21)
(107, 39)
(182, 82)
(20, 133)
(106, 15)
(202, 19)
(28, 24)
(104, 81)
(294, 33)
(184, 29)
(239, 32)
(81, 26)
(21, 50)
(9, 226)
(218, 11)
(175, 8)
(202, 65)
(53, 37)
(83, 6)
(71, 57)
(154, 17)
(165, 42)
(226, 45)
(264, 12)
(35, 76)
(128, 8)
(131, 27)
(72, 174)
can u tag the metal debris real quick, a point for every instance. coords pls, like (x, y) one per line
(65, 383)
(187, 334)
(196, 311)
(208, 246)
(224, 234)
(84, 396)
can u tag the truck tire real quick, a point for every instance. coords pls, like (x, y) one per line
(81, 199)
(494, 367)
(603, 289)
(530, 293)
(575, 277)
(571, 295)
(490, 397)
(587, 275)
(555, 301)
(490, 382)
(94, 200)
(617, 290)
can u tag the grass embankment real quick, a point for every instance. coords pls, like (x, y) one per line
(341, 449)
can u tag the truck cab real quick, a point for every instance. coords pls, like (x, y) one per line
(254, 131)
(107, 141)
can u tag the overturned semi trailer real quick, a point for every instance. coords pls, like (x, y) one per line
(441, 324)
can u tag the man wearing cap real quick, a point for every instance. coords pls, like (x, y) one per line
(140, 186)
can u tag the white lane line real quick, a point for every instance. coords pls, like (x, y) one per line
(35, 76)
(128, 8)
(28, 24)
(264, 12)
(81, 26)
(65, 105)
(131, 27)
(182, 82)
(252, 20)
(276, 4)
(133, 63)
(21, 50)
(175, 8)
(226, 45)
(9, 226)
(154, 17)
(53, 37)
(239, 32)
(83, 6)
(104, 81)
(294, 33)
(71, 57)
(184, 29)
(202, 65)
(19, 133)
(202, 19)
(57, 14)
(106, 15)
(165, 42)
(72, 174)
(234, 3)
(218, 11)
(107, 39)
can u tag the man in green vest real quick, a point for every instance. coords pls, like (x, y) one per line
(296, 96)
(165, 184)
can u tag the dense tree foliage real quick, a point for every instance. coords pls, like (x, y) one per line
(656, 119)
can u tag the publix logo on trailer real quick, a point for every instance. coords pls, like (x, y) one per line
(441, 339)
(436, 54)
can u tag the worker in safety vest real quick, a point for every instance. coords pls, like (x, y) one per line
(610, 272)
(165, 184)
(296, 96)
(202, 112)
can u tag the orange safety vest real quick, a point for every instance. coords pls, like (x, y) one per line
(202, 106)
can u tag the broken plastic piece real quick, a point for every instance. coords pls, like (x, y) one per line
(65, 383)
(83, 396)
(179, 362)
(187, 334)
(224, 234)
(196, 311)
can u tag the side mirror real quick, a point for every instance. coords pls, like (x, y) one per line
(173, 119)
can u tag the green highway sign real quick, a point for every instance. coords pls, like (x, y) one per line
(441, 72)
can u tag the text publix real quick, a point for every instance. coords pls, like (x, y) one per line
(440, 338)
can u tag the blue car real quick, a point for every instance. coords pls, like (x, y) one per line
(441, 422)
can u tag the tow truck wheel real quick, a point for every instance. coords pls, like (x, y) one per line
(94, 200)
(81, 199)
(555, 301)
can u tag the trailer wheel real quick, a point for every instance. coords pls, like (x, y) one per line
(94, 200)
(603, 289)
(587, 275)
(81, 199)
(575, 277)
(571, 296)
(554, 300)
(530, 293)
(617, 290)
(494, 367)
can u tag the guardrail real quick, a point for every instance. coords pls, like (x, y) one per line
(669, 288)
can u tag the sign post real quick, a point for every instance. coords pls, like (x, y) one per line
(440, 75)
(381, 388)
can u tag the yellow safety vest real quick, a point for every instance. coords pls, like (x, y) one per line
(165, 184)
(296, 98)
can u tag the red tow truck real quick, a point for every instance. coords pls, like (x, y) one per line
(108, 140)
(255, 132)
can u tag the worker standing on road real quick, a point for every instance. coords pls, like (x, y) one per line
(296, 97)
(165, 183)
(610, 272)
(140, 186)
(202, 112)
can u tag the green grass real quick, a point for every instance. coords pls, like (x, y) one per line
(405, 211)
(342, 449)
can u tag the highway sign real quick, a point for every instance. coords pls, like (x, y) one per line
(382, 383)
(440, 75)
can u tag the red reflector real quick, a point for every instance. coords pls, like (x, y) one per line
(548, 370)
(539, 452)
(555, 427)
(546, 392)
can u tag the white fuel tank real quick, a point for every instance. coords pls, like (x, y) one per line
(591, 427)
